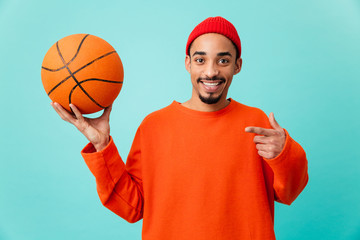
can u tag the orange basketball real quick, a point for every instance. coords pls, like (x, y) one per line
(84, 70)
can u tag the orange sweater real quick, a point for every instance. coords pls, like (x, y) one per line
(197, 175)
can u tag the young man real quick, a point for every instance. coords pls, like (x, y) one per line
(208, 168)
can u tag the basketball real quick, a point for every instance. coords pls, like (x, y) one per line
(84, 70)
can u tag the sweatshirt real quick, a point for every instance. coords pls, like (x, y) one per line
(197, 175)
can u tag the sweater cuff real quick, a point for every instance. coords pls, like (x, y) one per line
(106, 165)
(283, 152)
(89, 149)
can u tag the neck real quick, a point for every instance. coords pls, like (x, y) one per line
(195, 103)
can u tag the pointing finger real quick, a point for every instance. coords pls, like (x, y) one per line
(261, 131)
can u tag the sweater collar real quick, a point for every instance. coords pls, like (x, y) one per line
(197, 113)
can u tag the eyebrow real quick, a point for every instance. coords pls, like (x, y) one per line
(221, 54)
(199, 53)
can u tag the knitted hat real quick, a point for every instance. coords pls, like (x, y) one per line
(215, 25)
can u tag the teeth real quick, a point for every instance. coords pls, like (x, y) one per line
(211, 84)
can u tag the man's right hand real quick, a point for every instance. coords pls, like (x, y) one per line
(96, 130)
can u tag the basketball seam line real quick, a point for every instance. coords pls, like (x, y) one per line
(72, 75)
(68, 63)
(79, 69)
(91, 79)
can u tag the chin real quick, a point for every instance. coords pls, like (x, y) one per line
(210, 99)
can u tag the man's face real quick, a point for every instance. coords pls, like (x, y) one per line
(212, 64)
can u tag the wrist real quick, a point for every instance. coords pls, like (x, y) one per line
(102, 144)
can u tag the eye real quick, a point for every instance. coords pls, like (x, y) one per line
(223, 61)
(199, 60)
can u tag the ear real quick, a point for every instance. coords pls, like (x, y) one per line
(238, 65)
(188, 63)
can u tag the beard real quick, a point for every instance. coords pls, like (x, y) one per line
(210, 99)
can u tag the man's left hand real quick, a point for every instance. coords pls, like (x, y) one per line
(269, 142)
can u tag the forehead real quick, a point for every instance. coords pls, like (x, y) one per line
(212, 43)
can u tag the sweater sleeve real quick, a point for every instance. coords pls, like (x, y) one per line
(290, 171)
(119, 186)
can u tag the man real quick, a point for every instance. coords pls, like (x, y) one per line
(208, 168)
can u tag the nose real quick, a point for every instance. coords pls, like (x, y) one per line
(211, 70)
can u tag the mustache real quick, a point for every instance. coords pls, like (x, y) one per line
(211, 79)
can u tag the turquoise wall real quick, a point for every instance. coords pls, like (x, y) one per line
(300, 60)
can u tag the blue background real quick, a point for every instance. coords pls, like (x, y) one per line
(300, 60)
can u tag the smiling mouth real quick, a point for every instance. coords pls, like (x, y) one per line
(211, 83)
(211, 86)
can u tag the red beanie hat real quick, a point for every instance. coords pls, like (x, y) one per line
(215, 25)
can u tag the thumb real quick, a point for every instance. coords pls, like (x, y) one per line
(273, 122)
(106, 113)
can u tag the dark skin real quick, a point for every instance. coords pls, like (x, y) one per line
(96, 130)
(212, 65)
(269, 142)
(213, 56)
(212, 60)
